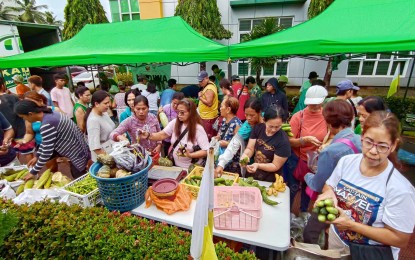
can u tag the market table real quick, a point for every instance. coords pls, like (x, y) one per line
(274, 227)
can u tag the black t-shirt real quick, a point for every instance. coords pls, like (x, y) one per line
(7, 103)
(266, 147)
(11, 154)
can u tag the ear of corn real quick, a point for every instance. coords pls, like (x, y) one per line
(21, 174)
(20, 189)
(48, 182)
(163, 119)
(43, 179)
(11, 177)
(29, 184)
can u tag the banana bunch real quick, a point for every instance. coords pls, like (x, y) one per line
(277, 186)
(287, 128)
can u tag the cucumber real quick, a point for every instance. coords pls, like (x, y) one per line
(196, 177)
(219, 180)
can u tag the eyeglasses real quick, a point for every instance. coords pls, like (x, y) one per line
(381, 148)
(182, 113)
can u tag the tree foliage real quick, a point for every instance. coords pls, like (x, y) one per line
(51, 19)
(29, 11)
(78, 13)
(316, 7)
(267, 27)
(5, 13)
(204, 17)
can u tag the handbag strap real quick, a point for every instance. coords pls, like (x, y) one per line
(178, 140)
(301, 123)
(348, 143)
(390, 174)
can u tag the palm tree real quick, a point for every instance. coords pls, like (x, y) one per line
(29, 11)
(315, 8)
(267, 27)
(5, 13)
(51, 19)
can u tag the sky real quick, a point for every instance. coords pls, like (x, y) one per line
(57, 7)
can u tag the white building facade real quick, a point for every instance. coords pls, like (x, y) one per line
(240, 16)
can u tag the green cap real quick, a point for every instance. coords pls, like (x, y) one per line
(283, 78)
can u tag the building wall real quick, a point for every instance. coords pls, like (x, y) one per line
(298, 69)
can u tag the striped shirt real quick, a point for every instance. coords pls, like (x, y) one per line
(61, 136)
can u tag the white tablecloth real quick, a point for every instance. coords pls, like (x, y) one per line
(274, 227)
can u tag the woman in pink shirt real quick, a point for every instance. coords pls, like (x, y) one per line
(309, 129)
(140, 121)
(193, 144)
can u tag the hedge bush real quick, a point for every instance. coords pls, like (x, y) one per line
(48, 230)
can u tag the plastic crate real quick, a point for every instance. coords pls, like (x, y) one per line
(88, 200)
(198, 171)
(237, 208)
(122, 194)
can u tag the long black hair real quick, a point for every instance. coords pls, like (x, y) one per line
(136, 93)
(97, 97)
(151, 87)
(24, 107)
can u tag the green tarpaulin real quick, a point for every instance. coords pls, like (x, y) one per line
(347, 26)
(157, 40)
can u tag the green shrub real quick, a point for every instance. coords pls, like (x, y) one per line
(57, 231)
(399, 107)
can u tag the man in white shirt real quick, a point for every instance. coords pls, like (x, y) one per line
(142, 83)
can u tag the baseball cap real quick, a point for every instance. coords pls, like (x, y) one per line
(315, 95)
(18, 78)
(312, 75)
(235, 77)
(283, 78)
(345, 85)
(202, 75)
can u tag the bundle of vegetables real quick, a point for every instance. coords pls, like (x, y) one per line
(287, 128)
(14, 175)
(326, 210)
(110, 168)
(277, 186)
(46, 181)
(250, 182)
(84, 186)
(164, 161)
(195, 180)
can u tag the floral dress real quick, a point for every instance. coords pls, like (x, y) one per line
(226, 133)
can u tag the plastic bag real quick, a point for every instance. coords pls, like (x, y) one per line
(6, 191)
(312, 160)
(407, 157)
(181, 202)
(31, 196)
(133, 158)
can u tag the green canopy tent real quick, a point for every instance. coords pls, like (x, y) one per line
(157, 40)
(347, 26)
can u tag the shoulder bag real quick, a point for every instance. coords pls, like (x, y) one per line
(170, 155)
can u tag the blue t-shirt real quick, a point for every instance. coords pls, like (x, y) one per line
(126, 114)
(11, 154)
(245, 131)
(166, 97)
